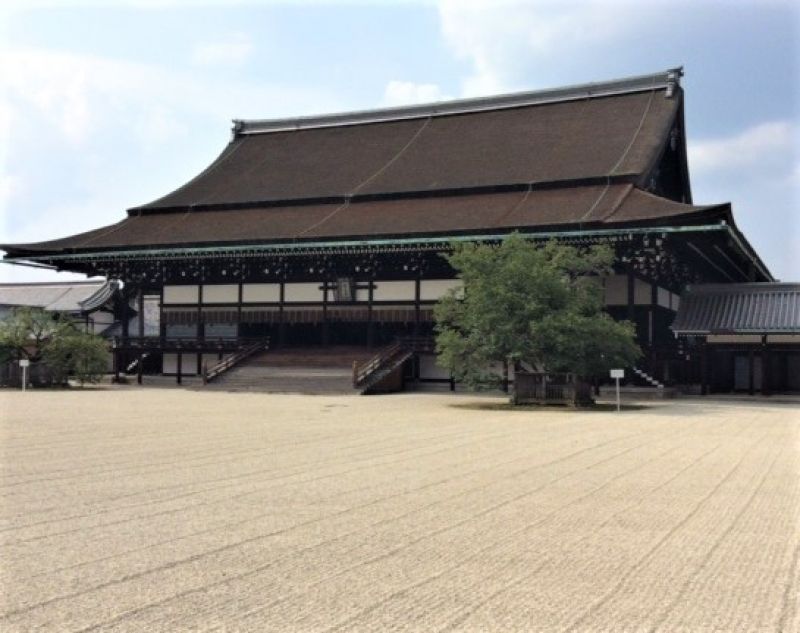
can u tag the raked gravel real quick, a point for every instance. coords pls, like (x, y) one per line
(133, 509)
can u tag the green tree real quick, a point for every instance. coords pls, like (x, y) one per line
(24, 333)
(55, 340)
(78, 354)
(539, 305)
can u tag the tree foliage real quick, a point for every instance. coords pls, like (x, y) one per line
(78, 354)
(55, 340)
(25, 332)
(539, 305)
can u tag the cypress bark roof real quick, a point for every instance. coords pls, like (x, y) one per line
(567, 158)
(517, 141)
(760, 308)
(589, 206)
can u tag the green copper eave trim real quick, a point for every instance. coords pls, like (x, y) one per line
(748, 251)
(443, 241)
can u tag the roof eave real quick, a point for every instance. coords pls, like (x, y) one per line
(440, 240)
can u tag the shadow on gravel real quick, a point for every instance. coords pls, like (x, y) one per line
(507, 406)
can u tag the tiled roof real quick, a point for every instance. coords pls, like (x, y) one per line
(761, 308)
(55, 297)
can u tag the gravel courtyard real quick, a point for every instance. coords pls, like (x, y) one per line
(173, 510)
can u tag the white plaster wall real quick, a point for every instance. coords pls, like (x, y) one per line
(435, 289)
(221, 330)
(641, 292)
(733, 338)
(616, 290)
(181, 294)
(221, 293)
(783, 338)
(100, 321)
(188, 364)
(675, 301)
(258, 293)
(429, 369)
(664, 298)
(303, 292)
(394, 291)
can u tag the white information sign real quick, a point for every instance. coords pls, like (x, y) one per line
(24, 362)
(616, 374)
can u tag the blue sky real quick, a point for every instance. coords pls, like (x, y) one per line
(106, 105)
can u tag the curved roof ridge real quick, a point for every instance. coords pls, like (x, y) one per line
(665, 80)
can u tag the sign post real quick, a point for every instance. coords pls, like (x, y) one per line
(24, 362)
(616, 374)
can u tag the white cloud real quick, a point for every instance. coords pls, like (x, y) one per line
(399, 93)
(235, 48)
(504, 39)
(84, 137)
(76, 95)
(756, 169)
(772, 141)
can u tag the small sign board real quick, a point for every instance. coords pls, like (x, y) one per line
(616, 374)
(24, 362)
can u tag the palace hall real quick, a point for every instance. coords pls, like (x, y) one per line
(328, 231)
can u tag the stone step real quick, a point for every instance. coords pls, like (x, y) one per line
(296, 379)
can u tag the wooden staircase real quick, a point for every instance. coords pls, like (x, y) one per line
(311, 370)
(228, 363)
(383, 373)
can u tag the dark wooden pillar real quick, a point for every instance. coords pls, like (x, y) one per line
(179, 375)
(140, 369)
(704, 368)
(631, 296)
(325, 332)
(505, 376)
(239, 311)
(140, 310)
(370, 322)
(117, 361)
(417, 285)
(751, 361)
(766, 370)
(125, 315)
(651, 323)
(281, 315)
(200, 325)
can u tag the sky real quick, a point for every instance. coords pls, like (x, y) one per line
(107, 105)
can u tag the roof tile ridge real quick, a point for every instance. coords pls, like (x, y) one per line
(667, 80)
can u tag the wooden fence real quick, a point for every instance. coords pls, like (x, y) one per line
(542, 388)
